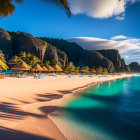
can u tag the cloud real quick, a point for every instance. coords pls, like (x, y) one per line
(119, 37)
(101, 8)
(129, 48)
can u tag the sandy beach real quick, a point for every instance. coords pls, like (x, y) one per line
(26, 103)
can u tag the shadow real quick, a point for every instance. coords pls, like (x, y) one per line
(47, 97)
(24, 102)
(10, 111)
(49, 109)
(102, 98)
(9, 134)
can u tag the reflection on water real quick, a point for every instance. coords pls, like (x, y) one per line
(110, 111)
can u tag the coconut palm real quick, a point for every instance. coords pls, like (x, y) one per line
(2, 56)
(7, 7)
(3, 65)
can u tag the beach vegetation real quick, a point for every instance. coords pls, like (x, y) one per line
(85, 69)
(105, 71)
(77, 70)
(29, 58)
(99, 70)
(69, 68)
(3, 65)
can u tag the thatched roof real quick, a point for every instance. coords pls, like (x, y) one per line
(50, 68)
(12, 62)
(93, 71)
(44, 68)
(83, 70)
(37, 68)
(57, 68)
(21, 66)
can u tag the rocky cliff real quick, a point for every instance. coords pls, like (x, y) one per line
(134, 67)
(59, 50)
(109, 59)
(12, 43)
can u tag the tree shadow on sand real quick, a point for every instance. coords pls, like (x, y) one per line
(10, 111)
(9, 134)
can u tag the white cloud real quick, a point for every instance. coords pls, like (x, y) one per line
(100, 8)
(119, 37)
(129, 48)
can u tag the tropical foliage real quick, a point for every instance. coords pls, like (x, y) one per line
(2, 61)
(69, 68)
(7, 7)
(2, 56)
(99, 70)
(29, 58)
(85, 69)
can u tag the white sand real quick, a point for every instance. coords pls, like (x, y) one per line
(26, 103)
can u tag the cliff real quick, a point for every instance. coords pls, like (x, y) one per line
(12, 43)
(59, 50)
(109, 59)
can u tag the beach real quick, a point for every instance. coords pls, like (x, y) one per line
(26, 104)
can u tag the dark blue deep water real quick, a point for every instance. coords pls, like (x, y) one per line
(110, 111)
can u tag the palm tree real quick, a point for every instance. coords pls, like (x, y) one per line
(69, 68)
(2, 56)
(3, 65)
(7, 7)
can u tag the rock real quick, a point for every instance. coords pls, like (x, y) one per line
(62, 57)
(51, 54)
(72, 50)
(114, 56)
(127, 68)
(6, 44)
(134, 67)
(123, 65)
(96, 59)
(28, 43)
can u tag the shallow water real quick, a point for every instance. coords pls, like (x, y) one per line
(110, 111)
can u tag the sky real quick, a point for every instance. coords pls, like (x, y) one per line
(95, 24)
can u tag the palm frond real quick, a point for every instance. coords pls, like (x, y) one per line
(63, 3)
(7, 7)
(3, 65)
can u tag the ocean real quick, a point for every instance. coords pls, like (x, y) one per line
(108, 111)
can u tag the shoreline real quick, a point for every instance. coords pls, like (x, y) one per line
(38, 113)
(80, 89)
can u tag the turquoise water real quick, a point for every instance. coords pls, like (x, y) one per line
(110, 111)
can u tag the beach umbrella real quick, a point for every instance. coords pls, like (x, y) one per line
(44, 68)
(22, 66)
(12, 62)
(57, 68)
(50, 68)
(37, 68)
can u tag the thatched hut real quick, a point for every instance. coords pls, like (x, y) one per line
(93, 71)
(12, 62)
(50, 69)
(37, 68)
(57, 68)
(44, 69)
(22, 66)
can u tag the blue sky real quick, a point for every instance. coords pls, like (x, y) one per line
(41, 19)
(102, 19)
